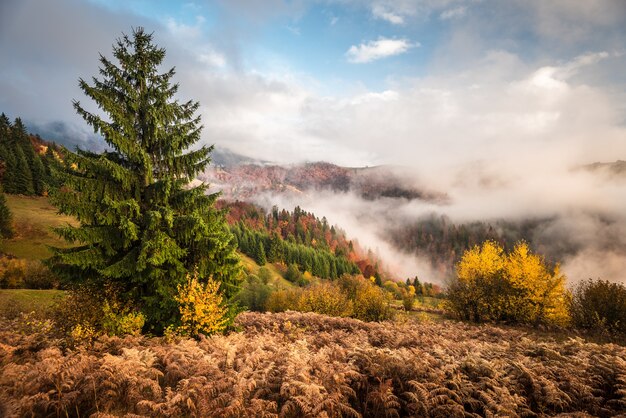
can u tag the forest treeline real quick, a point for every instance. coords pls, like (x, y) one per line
(299, 237)
(25, 160)
(25, 167)
(443, 241)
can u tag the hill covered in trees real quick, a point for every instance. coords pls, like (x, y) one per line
(299, 238)
(25, 160)
(443, 241)
(238, 178)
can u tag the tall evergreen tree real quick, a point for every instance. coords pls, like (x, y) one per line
(5, 125)
(24, 169)
(259, 255)
(141, 225)
(22, 182)
(39, 175)
(21, 139)
(10, 163)
(7, 156)
(275, 252)
(6, 218)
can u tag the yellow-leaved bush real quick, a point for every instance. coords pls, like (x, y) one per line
(86, 312)
(349, 296)
(371, 303)
(325, 298)
(201, 307)
(119, 321)
(515, 287)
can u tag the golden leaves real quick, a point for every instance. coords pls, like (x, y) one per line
(201, 307)
(517, 286)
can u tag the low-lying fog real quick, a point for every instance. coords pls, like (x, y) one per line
(583, 212)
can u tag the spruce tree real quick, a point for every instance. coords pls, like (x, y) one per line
(39, 175)
(22, 182)
(141, 225)
(25, 156)
(275, 253)
(7, 155)
(259, 254)
(6, 218)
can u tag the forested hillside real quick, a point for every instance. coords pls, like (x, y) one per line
(443, 241)
(25, 159)
(239, 178)
(300, 238)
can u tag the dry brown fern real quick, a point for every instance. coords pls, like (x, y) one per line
(304, 364)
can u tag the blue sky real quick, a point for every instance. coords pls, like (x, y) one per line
(312, 40)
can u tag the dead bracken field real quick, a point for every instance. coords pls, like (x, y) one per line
(309, 365)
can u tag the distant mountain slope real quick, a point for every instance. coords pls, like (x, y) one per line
(225, 158)
(613, 169)
(238, 178)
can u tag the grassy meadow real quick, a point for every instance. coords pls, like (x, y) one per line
(15, 301)
(277, 279)
(33, 219)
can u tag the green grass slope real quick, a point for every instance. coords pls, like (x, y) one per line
(33, 218)
(276, 272)
(14, 301)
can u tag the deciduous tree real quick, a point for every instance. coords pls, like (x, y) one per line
(515, 287)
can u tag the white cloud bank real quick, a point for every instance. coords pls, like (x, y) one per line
(501, 143)
(381, 48)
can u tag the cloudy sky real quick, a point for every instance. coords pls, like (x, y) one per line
(433, 83)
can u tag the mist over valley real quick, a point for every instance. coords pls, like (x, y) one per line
(423, 231)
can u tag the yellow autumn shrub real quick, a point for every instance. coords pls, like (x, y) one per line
(118, 320)
(325, 298)
(12, 272)
(371, 303)
(201, 307)
(86, 312)
(514, 287)
(283, 300)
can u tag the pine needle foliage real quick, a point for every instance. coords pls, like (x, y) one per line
(6, 217)
(142, 226)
